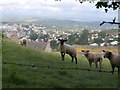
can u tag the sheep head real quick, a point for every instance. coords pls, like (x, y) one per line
(107, 54)
(62, 41)
(85, 52)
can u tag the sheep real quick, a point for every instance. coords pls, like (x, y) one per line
(114, 60)
(23, 41)
(93, 57)
(65, 48)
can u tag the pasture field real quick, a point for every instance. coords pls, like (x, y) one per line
(15, 76)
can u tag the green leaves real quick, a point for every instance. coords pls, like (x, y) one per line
(104, 4)
(108, 5)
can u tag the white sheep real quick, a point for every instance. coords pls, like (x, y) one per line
(93, 58)
(65, 48)
(114, 60)
(23, 41)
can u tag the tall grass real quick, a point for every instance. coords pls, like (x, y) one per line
(15, 76)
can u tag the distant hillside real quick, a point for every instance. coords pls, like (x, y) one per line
(56, 21)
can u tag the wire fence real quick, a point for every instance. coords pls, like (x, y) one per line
(52, 67)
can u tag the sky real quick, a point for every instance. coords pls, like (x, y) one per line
(64, 9)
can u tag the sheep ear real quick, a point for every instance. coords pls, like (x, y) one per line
(110, 53)
(103, 50)
(82, 50)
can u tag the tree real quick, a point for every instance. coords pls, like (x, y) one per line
(115, 4)
(106, 4)
(45, 37)
(83, 40)
(102, 34)
(72, 39)
(33, 36)
(98, 41)
(113, 22)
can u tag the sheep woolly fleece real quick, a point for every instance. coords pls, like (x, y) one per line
(68, 49)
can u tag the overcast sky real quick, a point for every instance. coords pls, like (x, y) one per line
(64, 9)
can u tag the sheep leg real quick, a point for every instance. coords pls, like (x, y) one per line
(90, 63)
(76, 60)
(100, 64)
(118, 69)
(113, 68)
(72, 58)
(63, 55)
(96, 65)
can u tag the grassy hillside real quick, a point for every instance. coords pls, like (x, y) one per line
(15, 76)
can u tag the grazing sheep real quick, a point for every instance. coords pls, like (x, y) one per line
(93, 57)
(65, 48)
(114, 60)
(23, 41)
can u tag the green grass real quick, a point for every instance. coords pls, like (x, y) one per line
(14, 76)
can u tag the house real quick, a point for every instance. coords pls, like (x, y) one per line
(114, 43)
(93, 44)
